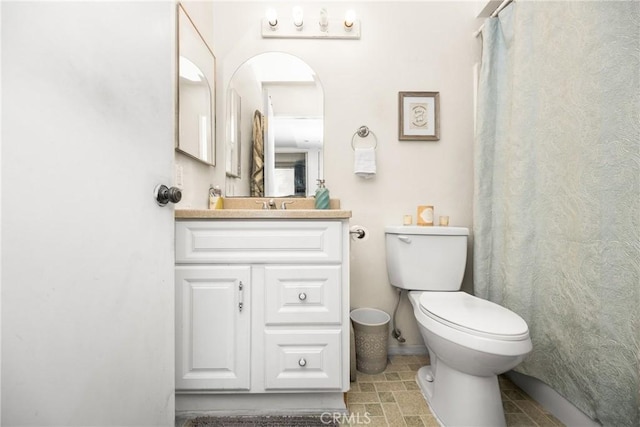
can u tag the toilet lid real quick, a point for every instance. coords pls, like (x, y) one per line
(473, 315)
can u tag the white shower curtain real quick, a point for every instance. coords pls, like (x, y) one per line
(557, 194)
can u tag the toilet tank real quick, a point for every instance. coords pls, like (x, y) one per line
(426, 258)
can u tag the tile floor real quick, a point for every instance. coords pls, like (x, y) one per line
(393, 399)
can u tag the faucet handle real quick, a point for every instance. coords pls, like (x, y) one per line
(264, 204)
(285, 203)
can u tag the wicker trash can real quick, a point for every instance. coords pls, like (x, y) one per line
(371, 327)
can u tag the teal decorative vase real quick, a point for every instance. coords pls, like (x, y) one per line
(322, 196)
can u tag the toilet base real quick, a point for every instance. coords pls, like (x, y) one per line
(459, 399)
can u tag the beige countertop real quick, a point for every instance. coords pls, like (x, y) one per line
(262, 214)
(249, 208)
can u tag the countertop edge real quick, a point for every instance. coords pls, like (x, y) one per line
(261, 214)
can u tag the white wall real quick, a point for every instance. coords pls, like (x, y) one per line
(0, 240)
(405, 46)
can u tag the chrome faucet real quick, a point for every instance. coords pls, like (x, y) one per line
(284, 204)
(271, 204)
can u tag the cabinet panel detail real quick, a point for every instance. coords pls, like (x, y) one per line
(302, 295)
(302, 359)
(212, 333)
(258, 241)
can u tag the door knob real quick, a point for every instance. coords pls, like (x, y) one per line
(165, 194)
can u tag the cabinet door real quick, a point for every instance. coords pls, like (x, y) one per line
(212, 327)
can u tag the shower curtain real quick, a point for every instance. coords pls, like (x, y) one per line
(256, 186)
(557, 194)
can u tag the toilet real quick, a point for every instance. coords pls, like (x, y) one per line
(470, 340)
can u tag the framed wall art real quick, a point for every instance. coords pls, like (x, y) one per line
(419, 116)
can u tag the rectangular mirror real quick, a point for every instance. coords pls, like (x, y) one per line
(196, 92)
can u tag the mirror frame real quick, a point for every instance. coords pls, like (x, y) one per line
(209, 73)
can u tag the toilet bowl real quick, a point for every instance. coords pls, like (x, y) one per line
(470, 340)
(466, 359)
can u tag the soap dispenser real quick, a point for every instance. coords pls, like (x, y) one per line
(215, 198)
(322, 196)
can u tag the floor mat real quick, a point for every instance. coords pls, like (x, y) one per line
(264, 421)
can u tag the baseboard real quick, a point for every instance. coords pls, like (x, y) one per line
(551, 400)
(259, 403)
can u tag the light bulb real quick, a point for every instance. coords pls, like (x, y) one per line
(324, 20)
(272, 18)
(349, 19)
(297, 17)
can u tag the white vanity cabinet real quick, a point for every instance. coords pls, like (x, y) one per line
(262, 306)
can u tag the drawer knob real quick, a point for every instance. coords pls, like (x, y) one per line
(302, 296)
(302, 362)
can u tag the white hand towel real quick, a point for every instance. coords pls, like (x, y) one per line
(364, 164)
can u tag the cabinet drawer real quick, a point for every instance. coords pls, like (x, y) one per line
(258, 241)
(302, 359)
(302, 294)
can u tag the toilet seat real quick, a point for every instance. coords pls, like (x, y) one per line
(473, 315)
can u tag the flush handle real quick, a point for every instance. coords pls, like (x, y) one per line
(405, 239)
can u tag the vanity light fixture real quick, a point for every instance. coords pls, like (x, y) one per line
(349, 28)
(272, 18)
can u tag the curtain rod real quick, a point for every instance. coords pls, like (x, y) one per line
(495, 13)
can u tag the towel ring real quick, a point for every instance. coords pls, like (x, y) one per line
(364, 132)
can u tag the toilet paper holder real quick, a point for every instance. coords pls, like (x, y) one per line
(358, 232)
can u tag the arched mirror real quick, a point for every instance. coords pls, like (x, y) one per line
(274, 128)
(196, 92)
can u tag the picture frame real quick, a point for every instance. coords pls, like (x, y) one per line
(234, 136)
(419, 116)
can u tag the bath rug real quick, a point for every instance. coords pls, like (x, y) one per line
(263, 421)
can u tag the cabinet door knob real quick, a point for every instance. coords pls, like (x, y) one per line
(302, 362)
(302, 296)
